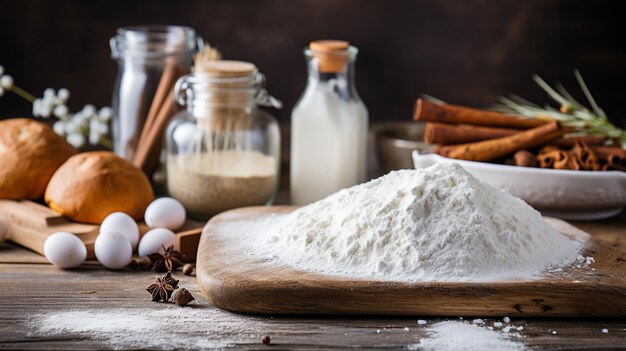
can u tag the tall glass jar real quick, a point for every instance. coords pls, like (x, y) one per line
(143, 54)
(328, 125)
(223, 152)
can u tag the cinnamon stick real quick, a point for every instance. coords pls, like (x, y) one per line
(548, 155)
(554, 157)
(613, 157)
(451, 134)
(431, 112)
(610, 166)
(488, 150)
(614, 164)
(604, 152)
(147, 154)
(146, 157)
(168, 78)
(567, 162)
(570, 142)
(586, 157)
(525, 158)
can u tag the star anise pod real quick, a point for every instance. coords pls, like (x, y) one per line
(167, 261)
(140, 264)
(163, 288)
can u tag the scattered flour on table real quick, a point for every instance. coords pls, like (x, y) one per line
(433, 224)
(460, 336)
(169, 327)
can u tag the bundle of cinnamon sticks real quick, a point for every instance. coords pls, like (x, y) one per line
(488, 136)
(146, 156)
(163, 107)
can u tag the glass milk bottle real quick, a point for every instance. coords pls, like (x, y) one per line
(329, 125)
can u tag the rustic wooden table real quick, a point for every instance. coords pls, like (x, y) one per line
(43, 307)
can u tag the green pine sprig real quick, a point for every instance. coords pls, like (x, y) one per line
(590, 121)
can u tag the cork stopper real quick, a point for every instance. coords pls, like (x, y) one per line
(222, 90)
(220, 102)
(225, 68)
(332, 55)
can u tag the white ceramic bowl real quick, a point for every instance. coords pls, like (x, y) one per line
(577, 195)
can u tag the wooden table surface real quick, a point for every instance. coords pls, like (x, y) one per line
(34, 294)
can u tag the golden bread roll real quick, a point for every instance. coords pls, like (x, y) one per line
(92, 185)
(30, 153)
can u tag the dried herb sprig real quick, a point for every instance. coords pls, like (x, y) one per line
(570, 112)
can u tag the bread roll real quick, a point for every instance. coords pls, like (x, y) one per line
(92, 185)
(30, 153)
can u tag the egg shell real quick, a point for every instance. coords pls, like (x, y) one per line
(165, 212)
(154, 240)
(65, 250)
(121, 222)
(113, 250)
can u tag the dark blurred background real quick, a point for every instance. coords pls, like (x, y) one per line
(464, 52)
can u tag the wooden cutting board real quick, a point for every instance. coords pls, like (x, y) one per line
(238, 282)
(30, 224)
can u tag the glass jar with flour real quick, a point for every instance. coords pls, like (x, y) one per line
(223, 151)
(328, 125)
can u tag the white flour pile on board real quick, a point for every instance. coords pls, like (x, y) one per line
(433, 224)
(460, 336)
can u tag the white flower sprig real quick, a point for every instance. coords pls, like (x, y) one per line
(88, 125)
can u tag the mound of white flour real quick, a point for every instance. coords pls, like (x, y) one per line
(434, 224)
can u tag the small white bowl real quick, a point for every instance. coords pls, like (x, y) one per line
(574, 195)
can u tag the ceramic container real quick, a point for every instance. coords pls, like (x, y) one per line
(574, 195)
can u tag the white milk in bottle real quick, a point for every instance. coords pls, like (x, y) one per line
(329, 125)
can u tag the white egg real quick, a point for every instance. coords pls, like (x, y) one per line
(4, 232)
(154, 240)
(65, 250)
(120, 222)
(113, 250)
(165, 212)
